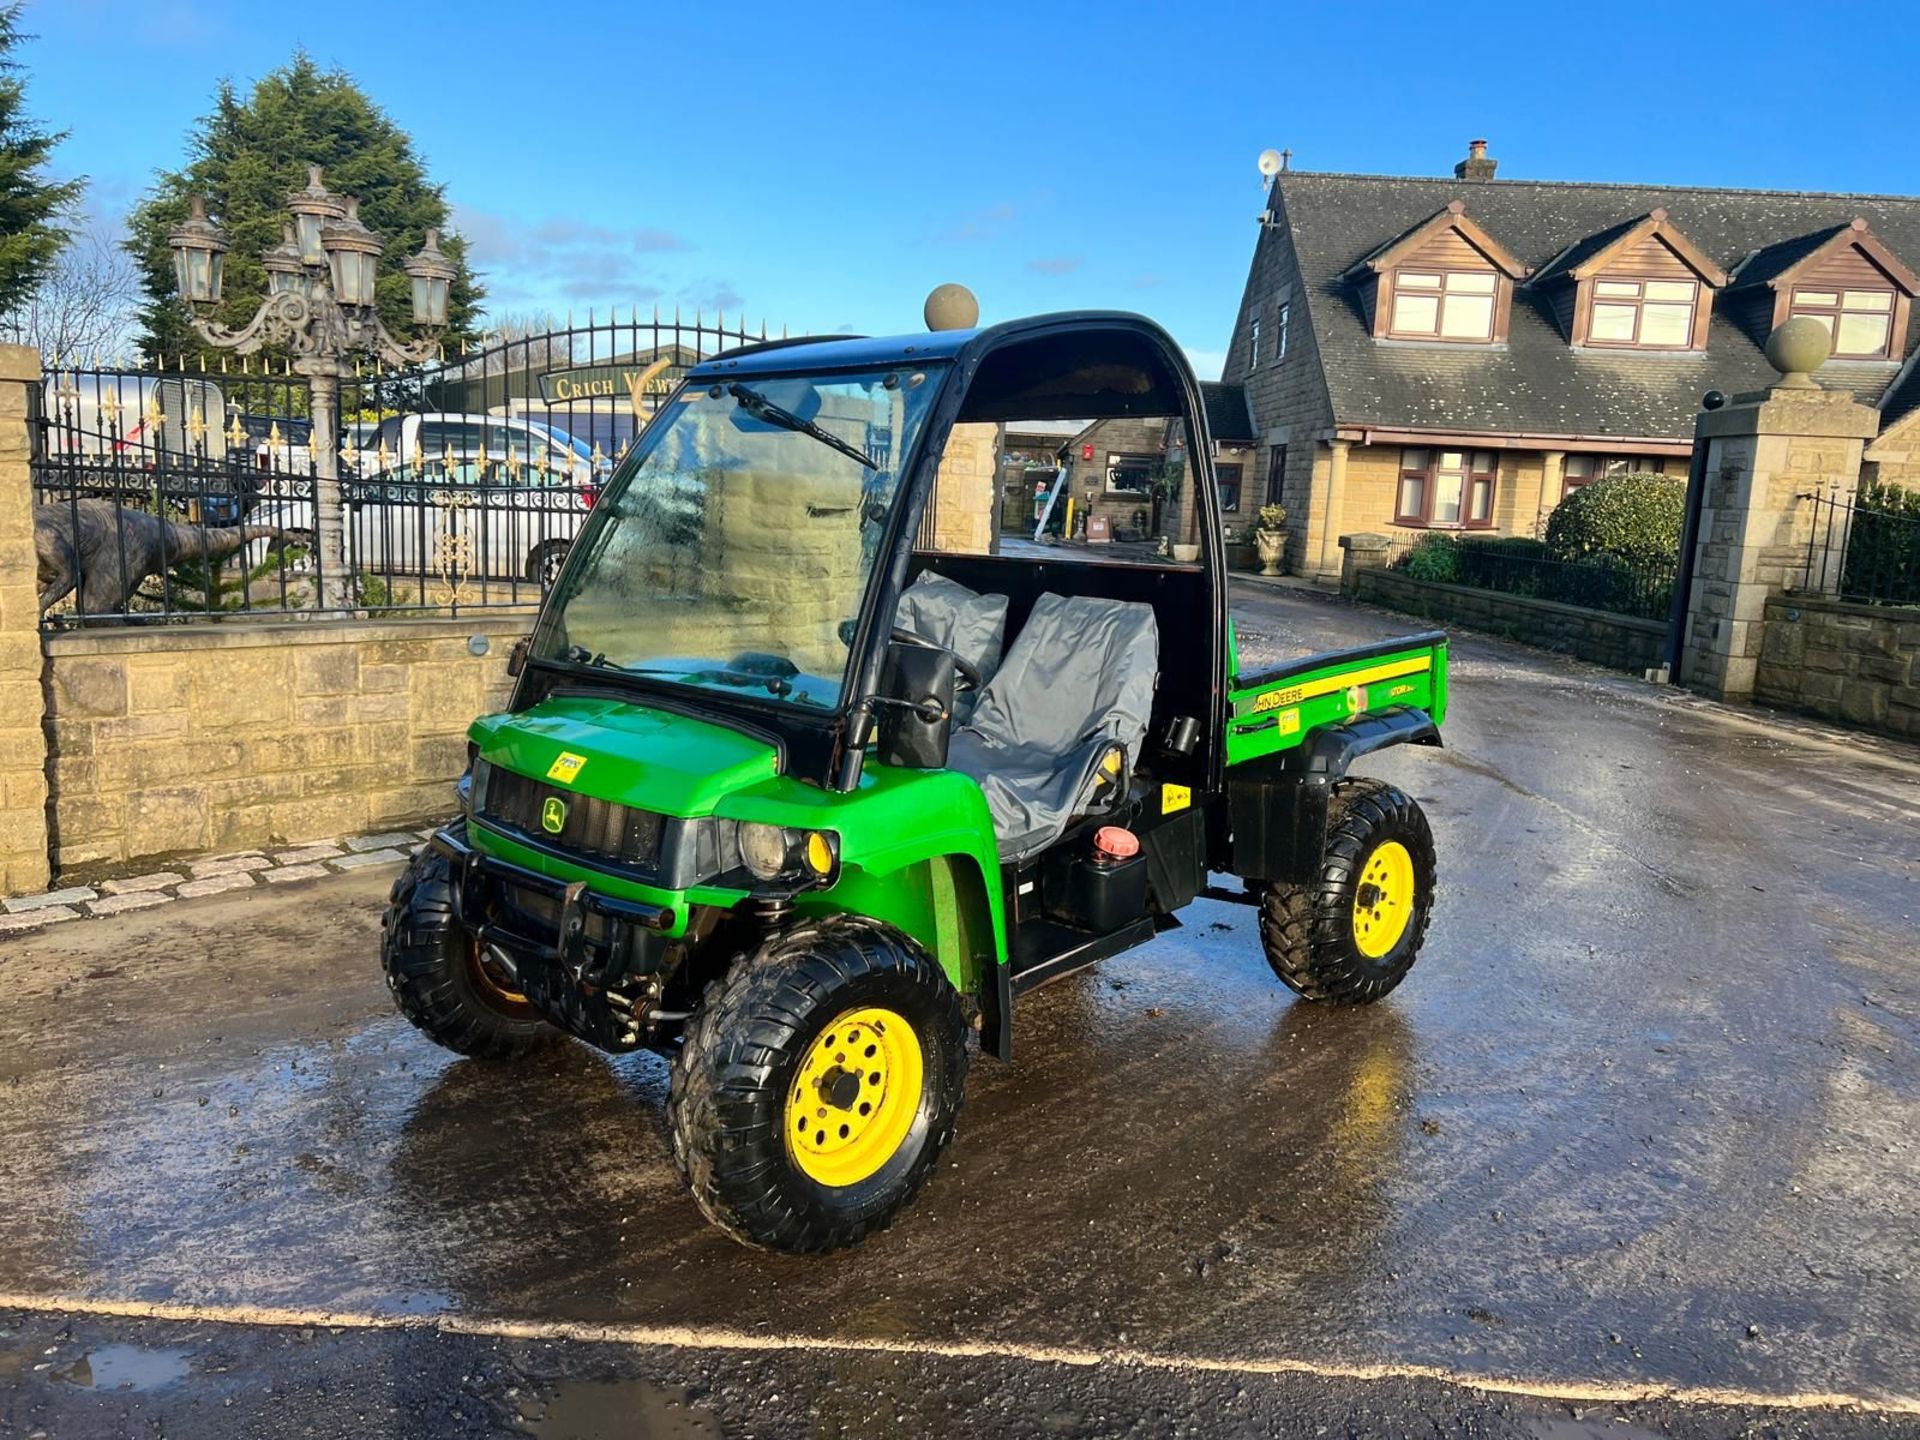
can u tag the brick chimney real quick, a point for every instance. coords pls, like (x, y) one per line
(1478, 165)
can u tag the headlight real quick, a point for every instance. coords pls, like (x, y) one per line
(763, 850)
(772, 852)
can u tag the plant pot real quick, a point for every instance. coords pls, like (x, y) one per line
(1186, 554)
(1273, 549)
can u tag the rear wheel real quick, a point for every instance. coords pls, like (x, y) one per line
(818, 1085)
(439, 978)
(543, 564)
(1353, 934)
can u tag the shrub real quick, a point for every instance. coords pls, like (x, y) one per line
(1635, 519)
(1883, 550)
(1273, 517)
(1433, 557)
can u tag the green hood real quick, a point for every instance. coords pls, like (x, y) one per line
(627, 753)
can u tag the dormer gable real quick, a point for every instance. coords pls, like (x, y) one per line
(1642, 285)
(1446, 280)
(1846, 279)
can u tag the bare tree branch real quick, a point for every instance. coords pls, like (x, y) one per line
(87, 309)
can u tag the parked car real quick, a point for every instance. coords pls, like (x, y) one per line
(516, 522)
(429, 439)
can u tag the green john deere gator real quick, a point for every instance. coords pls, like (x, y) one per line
(797, 799)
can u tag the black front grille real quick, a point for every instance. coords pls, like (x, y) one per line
(592, 827)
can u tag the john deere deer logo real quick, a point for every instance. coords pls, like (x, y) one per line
(553, 815)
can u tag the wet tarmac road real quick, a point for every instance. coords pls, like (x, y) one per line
(1643, 1117)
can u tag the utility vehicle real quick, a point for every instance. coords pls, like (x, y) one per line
(798, 798)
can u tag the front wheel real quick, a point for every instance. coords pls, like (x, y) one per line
(439, 978)
(1352, 935)
(819, 1083)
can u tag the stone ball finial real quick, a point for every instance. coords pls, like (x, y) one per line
(1797, 349)
(952, 307)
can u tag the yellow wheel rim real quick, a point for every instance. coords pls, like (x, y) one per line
(1383, 904)
(855, 1096)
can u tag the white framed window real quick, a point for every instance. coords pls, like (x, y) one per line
(1643, 314)
(1443, 304)
(1860, 322)
(1253, 342)
(1283, 323)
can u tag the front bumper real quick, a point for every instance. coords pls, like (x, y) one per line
(590, 963)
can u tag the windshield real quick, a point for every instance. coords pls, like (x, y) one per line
(563, 438)
(733, 548)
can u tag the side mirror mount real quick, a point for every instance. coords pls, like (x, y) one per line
(517, 656)
(916, 707)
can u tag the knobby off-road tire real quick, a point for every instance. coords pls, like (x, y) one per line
(1321, 939)
(775, 1031)
(436, 975)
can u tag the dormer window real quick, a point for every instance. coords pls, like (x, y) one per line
(1860, 322)
(1445, 281)
(1846, 279)
(1646, 314)
(1443, 305)
(1641, 285)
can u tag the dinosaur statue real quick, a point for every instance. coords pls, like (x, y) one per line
(105, 550)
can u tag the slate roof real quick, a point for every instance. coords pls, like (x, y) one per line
(1538, 383)
(1229, 421)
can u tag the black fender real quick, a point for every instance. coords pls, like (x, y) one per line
(1277, 805)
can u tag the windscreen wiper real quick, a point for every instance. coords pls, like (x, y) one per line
(761, 408)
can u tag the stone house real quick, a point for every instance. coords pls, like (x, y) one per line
(1112, 465)
(1460, 354)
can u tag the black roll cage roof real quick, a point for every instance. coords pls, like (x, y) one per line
(827, 748)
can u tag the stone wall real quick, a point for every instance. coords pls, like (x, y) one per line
(1087, 479)
(171, 740)
(1622, 642)
(963, 495)
(1855, 663)
(23, 756)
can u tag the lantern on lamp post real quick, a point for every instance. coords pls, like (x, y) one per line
(322, 285)
(199, 255)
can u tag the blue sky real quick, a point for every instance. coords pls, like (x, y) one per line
(823, 166)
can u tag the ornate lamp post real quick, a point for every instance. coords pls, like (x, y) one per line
(320, 305)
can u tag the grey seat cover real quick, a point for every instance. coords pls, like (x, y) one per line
(971, 625)
(1079, 677)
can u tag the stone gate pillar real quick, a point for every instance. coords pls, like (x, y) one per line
(1765, 453)
(23, 741)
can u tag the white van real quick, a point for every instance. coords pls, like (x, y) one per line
(409, 440)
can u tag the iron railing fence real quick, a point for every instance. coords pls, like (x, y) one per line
(194, 492)
(1516, 565)
(1865, 548)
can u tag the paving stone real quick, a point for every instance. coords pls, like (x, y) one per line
(34, 919)
(368, 857)
(385, 841)
(306, 854)
(229, 865)
(132, 900)
(297, 872)
(72, 895)
(214, 884)
(134, 884)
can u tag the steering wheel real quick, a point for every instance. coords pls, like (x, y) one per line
(964, 670)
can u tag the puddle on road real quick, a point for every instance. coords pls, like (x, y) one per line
(124, 1367)
(1594, 1427)
(622, 1410)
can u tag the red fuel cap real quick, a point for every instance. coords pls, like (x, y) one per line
(1115, 841)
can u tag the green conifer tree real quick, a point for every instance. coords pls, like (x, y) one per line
(250, 154)
(31, 207)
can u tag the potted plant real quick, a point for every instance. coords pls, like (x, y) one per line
(1270, 535)
(1168, 479)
